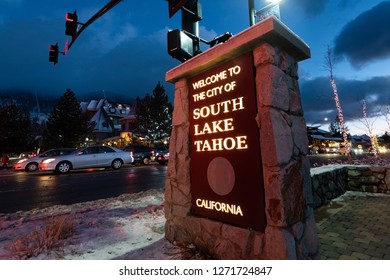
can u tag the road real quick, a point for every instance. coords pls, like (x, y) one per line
(26, 191)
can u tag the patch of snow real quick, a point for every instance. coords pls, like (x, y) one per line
(326, 168)
(130, 226)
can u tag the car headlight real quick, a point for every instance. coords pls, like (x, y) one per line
(48, 160)
(22, 160)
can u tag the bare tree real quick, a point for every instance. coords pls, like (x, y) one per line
(329, 66)
(386, 113)
(369, 127)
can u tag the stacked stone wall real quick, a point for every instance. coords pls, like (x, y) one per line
(333, 182)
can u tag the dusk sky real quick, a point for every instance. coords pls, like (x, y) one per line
(125, 51)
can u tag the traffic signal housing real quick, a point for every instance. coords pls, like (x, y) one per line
(71, 24)
(184, 44)
(180, 45)
(53, 53)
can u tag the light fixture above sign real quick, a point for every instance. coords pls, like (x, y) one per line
(271, 9)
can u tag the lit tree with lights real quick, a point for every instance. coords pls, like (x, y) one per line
(388, 117)
(369, 126)
(386, 113)
(329, 66)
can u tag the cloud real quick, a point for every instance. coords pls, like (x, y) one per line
(318, 102)
(310, 7)
(107, 39)
(133, 67)
(366, 38)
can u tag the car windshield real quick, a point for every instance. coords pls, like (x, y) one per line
(58, 152)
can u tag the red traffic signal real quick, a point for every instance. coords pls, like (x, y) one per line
(175, 5)
(71, 24)
(53, 53)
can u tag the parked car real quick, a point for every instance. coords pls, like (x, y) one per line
(87, 157)
(331, 150)
(27, 154)
(343, 150)
(30, 164)
(141, 154)
(372, 150)
(162, 157)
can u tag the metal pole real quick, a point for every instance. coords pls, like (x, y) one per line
(252, 12)
(101, 12)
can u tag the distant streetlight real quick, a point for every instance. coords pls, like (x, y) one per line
(271, 9)
(319, 122)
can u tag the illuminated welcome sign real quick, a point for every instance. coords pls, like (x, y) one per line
(226, 169)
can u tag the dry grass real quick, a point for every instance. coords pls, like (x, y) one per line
(43, 239)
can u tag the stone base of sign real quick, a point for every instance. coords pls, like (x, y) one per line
(290, 231)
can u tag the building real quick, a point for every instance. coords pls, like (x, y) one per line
(322, 140)
(113, 122)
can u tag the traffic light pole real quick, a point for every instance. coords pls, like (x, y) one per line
(190, 21)
(100, 13)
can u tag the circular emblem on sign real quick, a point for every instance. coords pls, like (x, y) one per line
(221, 176)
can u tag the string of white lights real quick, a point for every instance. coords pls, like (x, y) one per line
(340, 113)
(369, 127)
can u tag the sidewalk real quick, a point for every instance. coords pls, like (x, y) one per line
(355, 226)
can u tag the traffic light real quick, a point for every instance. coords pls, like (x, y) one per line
(53, 53)
(71, 24)
(184, 44)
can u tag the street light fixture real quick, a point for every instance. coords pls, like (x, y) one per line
(319, 122)
(271, 9)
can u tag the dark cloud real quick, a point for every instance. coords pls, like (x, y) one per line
(310, 7)
(133, 67)
(367, 37)
(318, 102)
(130, 66)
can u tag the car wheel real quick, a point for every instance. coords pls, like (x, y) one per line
(117, 163)
(63, 167)
(146, 161)
(31, 167)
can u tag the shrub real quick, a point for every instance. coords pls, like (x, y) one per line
(43, 239)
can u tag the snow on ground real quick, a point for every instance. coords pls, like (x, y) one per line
(130, 226)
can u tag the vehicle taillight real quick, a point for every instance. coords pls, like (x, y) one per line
(152, 153)
(131, 153)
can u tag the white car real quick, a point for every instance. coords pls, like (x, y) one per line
(88, 157)
(30, 164)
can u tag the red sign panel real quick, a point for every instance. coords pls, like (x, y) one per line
(226, 169)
